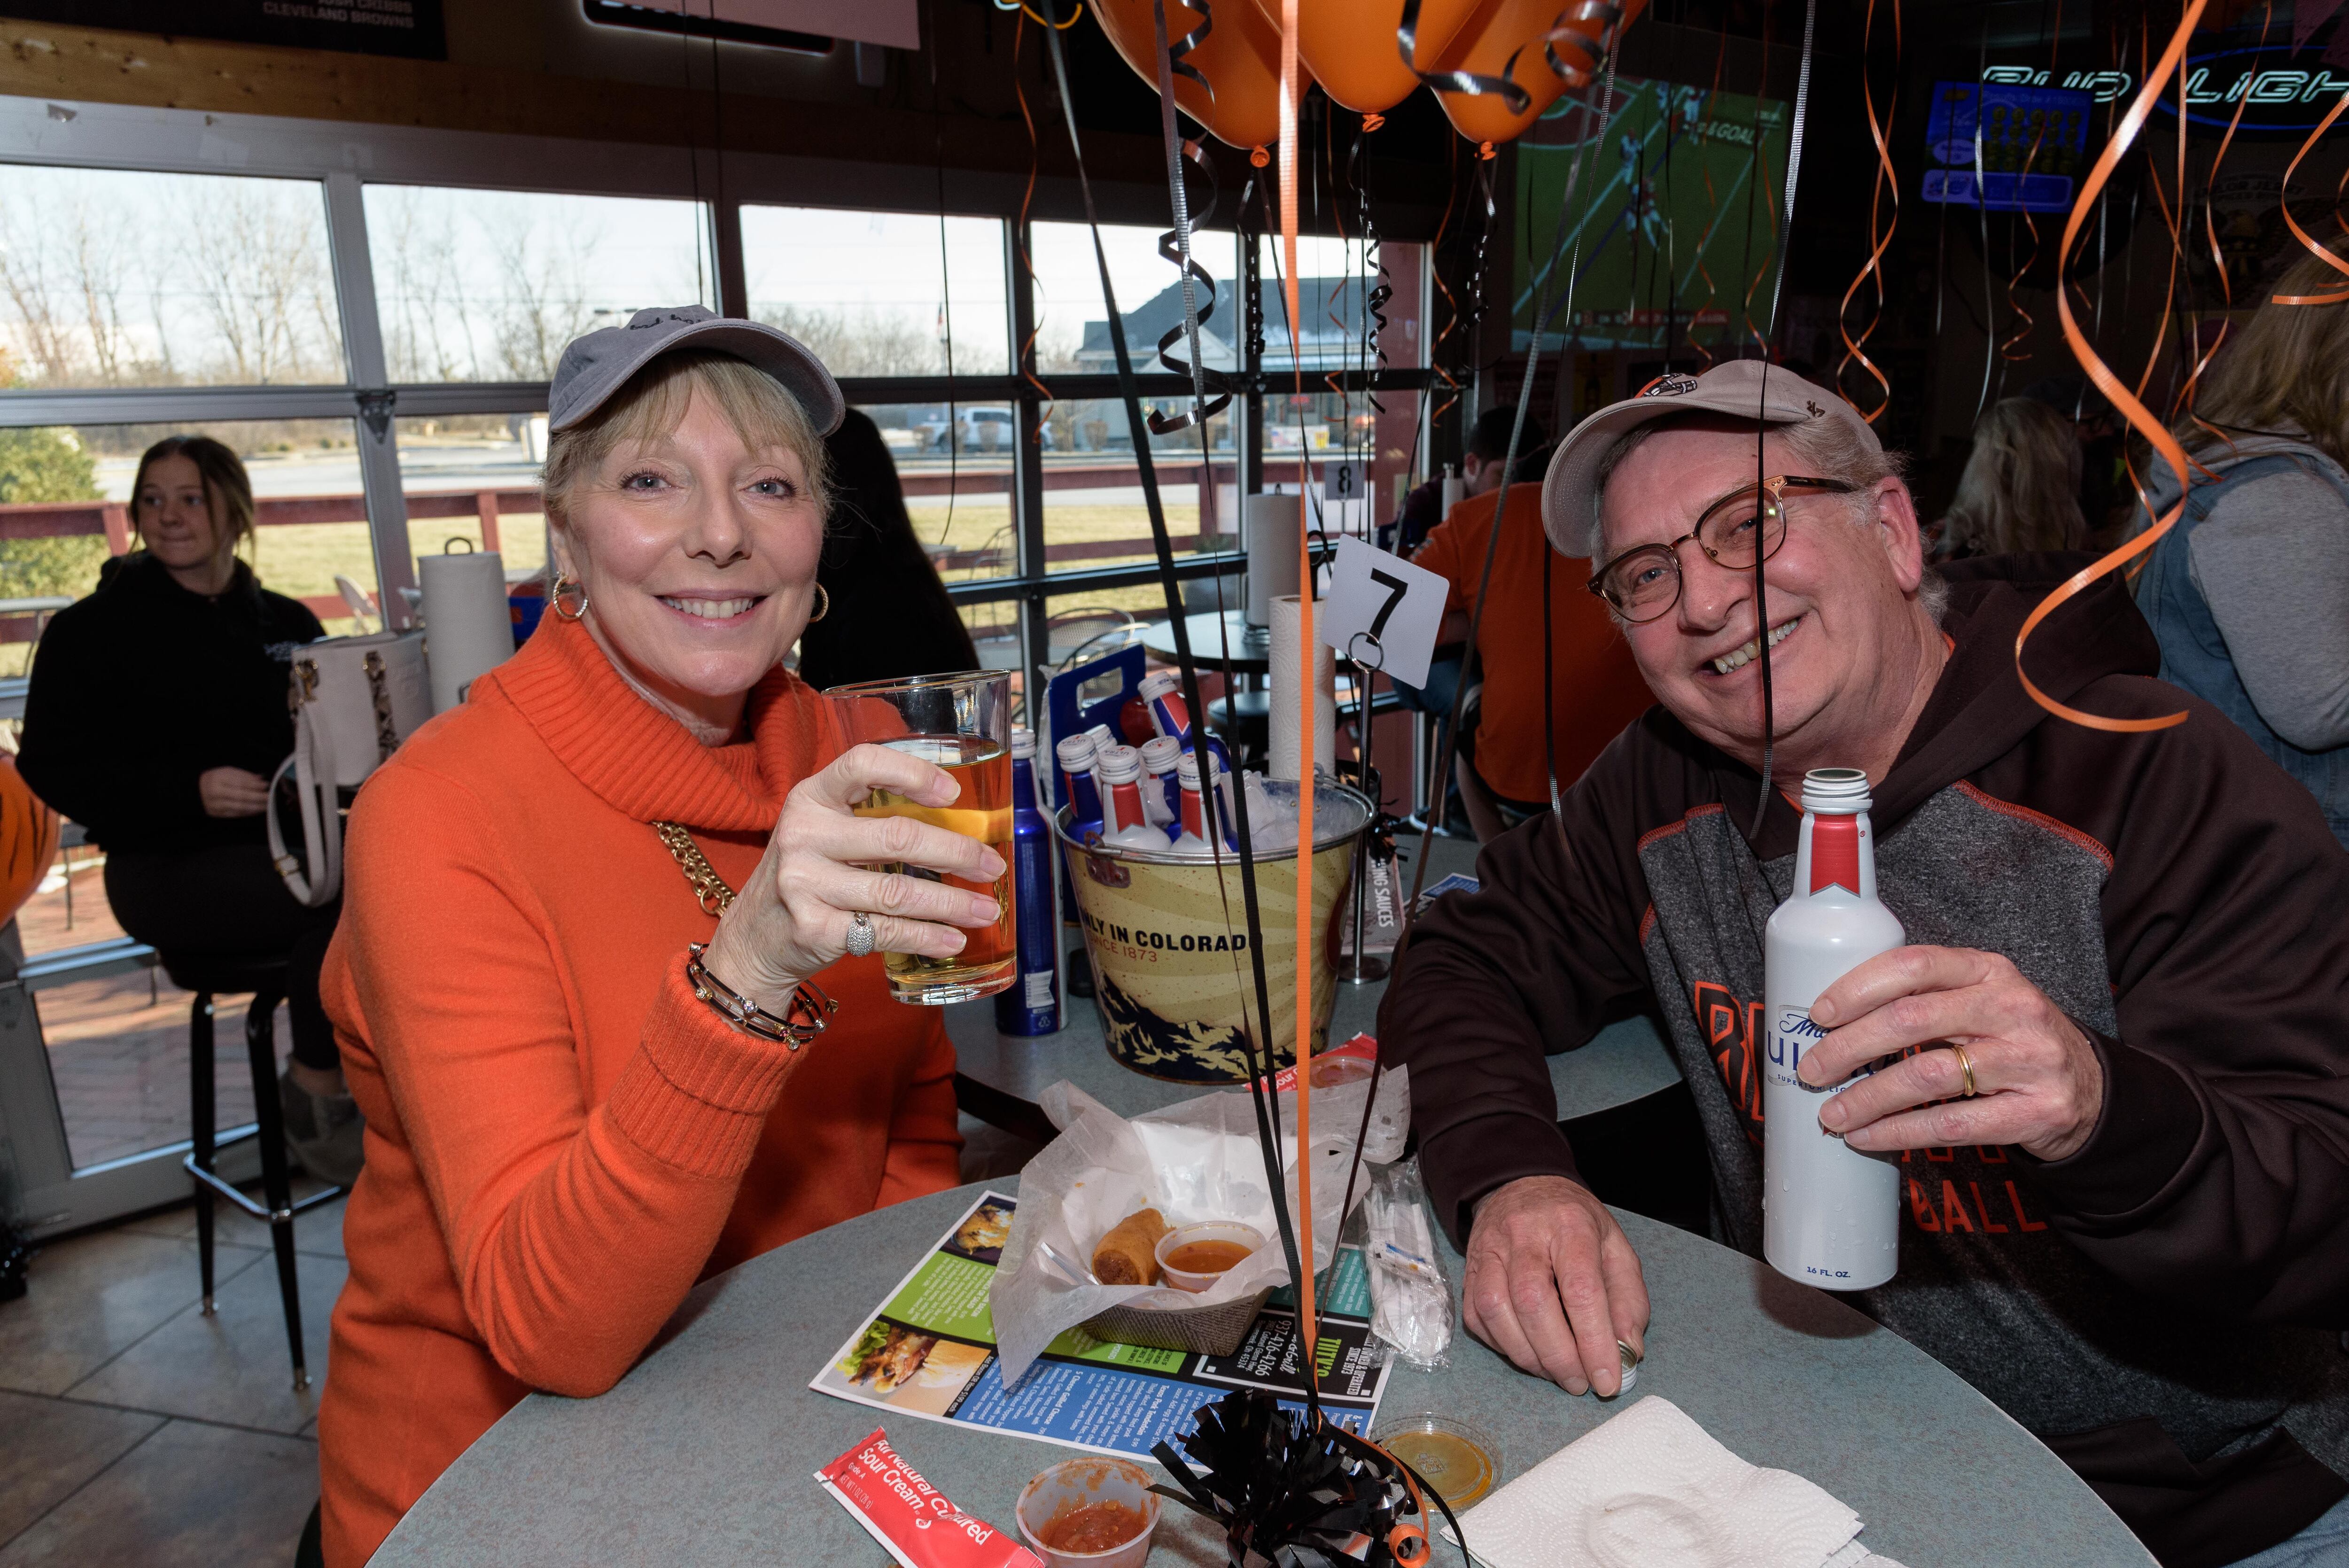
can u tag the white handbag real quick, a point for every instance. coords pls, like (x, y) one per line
(355, 699)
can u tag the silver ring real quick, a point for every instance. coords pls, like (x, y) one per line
(860, 935)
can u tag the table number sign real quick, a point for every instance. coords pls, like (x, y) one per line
(1383, 612)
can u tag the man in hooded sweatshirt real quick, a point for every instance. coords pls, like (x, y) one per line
(2130, 1229)
(2248, 591)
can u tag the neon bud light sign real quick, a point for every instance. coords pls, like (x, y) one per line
(2288, 91)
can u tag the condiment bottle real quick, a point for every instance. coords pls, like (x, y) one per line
(1830, 1215)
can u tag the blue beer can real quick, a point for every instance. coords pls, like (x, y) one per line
(1032, 1003)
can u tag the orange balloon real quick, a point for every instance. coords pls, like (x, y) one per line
(1240, 58)
(1482, 46)
(1350, 44)
(28, 839)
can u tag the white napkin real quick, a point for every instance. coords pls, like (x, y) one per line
(1651, 1488)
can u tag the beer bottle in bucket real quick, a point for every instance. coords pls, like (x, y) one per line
(1162, 790)
(1122, 823)
(1830, 1215)
(1193, 838)
(1075, 756)
(1171, 716)
(1032, 1005)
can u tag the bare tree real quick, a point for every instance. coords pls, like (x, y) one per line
(65, 266)
(863, 341)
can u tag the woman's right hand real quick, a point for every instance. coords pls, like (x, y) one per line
(232, 792)
(792, 917)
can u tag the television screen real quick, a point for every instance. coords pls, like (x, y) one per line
(2034, 146)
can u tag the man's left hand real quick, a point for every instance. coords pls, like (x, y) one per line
(2037, 1081)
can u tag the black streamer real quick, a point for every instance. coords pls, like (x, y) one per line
(1213, 388)
(1258, 1053)
(1468, 82)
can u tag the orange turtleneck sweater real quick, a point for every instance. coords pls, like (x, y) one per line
(561, 1140)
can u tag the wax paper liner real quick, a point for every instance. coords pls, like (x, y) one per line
(1196, 1160)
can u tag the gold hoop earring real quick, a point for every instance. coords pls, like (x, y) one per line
(564, 584)
(822, 605)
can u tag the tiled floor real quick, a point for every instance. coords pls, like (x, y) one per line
(118, 1047)
(133, 1429)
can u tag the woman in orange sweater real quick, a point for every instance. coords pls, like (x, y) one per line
(572, 1117)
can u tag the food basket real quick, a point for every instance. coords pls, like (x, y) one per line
(1216, 1330)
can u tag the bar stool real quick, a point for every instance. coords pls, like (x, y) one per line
(265, 977)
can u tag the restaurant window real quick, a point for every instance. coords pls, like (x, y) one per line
(120, 278)
(1073, 324)
(882, 294)
(953, 463)
(56, 535)
(1094, 513)
(488, 286)
(471, 481)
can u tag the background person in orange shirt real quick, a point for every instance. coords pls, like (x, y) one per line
(1596, 689)
(565, 1129)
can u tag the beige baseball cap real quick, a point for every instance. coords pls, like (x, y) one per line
(1737, 388)
(596, 365)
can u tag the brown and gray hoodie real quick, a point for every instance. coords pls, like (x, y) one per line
(2163, 1307)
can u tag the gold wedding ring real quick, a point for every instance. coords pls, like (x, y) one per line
(1965, 1067)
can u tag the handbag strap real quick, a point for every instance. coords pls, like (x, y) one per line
(317, 881)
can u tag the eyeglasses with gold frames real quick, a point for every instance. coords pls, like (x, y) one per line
(1644, 584)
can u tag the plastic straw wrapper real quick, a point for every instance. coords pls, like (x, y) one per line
(1410, 1298)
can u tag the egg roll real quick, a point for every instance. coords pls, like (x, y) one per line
(1129, 1254)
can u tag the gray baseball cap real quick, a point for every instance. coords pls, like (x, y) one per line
(598, 364)
(1736, 388)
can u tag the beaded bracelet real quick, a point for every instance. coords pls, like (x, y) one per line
(810, 1009)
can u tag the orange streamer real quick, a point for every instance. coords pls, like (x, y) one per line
(1885, 175)
(1288, 105)
(2154, 431)
(2335, 262)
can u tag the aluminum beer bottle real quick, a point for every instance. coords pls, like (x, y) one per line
(1161, 693)
(1075, 756)
(1830, 1215)
(1032, 1005)
(1193, 840)
(1162, 790)
(1119, 768)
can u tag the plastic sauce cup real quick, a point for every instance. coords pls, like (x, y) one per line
(1083, 1483)
(1244, 1236)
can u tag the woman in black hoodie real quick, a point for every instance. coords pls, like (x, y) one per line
(156, 714)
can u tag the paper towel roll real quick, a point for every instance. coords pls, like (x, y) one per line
(1456, 490)
(1287, 673)
(468, 630)
(1273, 523)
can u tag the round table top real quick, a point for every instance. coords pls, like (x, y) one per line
(1627, 1060)
(704, 1454)
(1251, 655)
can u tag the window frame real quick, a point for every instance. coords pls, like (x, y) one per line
(345, 158)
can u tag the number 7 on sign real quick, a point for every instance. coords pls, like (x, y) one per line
(1383, 611)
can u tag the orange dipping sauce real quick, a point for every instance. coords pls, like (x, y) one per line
(1207, 1257)
(1096, 1527)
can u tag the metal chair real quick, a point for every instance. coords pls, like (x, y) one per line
(264, 979)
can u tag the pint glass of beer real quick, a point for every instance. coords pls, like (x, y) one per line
(962, 723)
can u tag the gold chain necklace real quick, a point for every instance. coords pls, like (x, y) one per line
(708, 887)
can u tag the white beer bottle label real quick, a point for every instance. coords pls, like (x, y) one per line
(1830, 1215)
